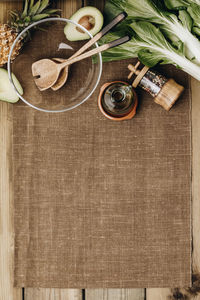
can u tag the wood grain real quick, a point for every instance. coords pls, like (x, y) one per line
(53, 294)
(195, 88)
(68, 7)
(115, 294)
(97, 3)
(7, 292)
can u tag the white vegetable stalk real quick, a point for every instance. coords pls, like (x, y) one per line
(184, 63)
(195, 1)
(190, 41)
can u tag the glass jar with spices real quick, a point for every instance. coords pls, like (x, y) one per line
(165, 91)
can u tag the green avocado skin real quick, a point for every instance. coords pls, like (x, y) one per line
(70, 30)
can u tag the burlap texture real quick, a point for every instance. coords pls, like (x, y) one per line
(100, 203)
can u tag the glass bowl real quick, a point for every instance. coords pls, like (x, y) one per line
(49, 41)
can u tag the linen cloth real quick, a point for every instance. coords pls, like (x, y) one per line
(103, 204)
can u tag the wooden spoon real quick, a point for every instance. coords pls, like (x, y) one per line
(62, 77)
(119, 18)
(46, 71)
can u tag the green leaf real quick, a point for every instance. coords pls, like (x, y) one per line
(115, 6)
(43, 5)
(176, 4)
(169, 34)
(112, 9)
(27, 19)
(194, 11)
(35, 8)
(31, 4)
(123, 51)
(25, 11)
(170, 41)
(144, 10)
(152, 58)
(186, 19)
(180, 4)
(39, 17)
(51, 11)
(179, 46)
(193, 2)
(196, 30)
(14, 14)
(153, 11)
(148, 43)
(150, 34)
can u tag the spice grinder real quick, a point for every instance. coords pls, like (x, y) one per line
(164, 91)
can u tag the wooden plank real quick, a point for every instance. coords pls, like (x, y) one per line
(195, 86)
(194, 292)
(67, 7)
(97, 3)
(6, 7)
(7, 292)
(53, 294)
(158, 294)
(111, 294)
(114, 294)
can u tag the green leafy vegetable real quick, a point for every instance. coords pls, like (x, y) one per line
(185, 19)
(180, 4)
(192, 7)
(176, 4)
(153, 12)
(194, 11)
(158, 35)
(151, 47)
(196, 30)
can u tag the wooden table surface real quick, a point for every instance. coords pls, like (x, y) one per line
(7, 292)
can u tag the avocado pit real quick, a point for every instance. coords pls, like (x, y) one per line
(88, 22)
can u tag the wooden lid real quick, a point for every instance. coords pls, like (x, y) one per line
(169, 94)
(140, 73)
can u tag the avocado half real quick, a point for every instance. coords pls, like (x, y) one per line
(90, 18)
(7, 92)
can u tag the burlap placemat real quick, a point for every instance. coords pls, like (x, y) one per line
(100, 203)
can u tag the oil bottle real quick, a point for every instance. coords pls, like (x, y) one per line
(118, 101)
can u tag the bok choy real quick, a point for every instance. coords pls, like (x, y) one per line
(174, 26)
(193, 8)
(159, 34)
(178, 4)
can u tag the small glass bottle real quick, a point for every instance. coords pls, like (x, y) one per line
(165, 91)
(117, 100)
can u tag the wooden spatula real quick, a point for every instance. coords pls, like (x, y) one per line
(46, 71)
(63, 77)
